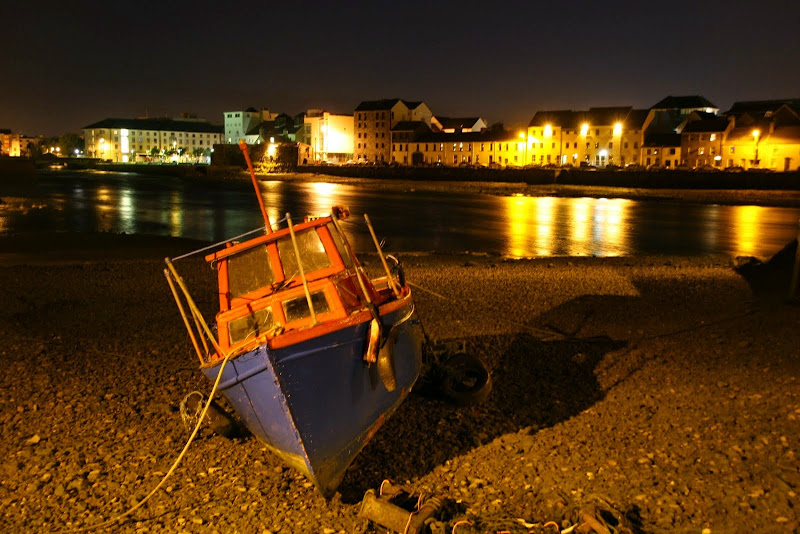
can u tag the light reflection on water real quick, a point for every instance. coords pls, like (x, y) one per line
(515, 226)
(548, 226)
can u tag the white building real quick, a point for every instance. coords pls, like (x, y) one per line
(129, 140)
(238, 123)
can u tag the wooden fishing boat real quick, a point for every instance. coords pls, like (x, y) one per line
(311, 353)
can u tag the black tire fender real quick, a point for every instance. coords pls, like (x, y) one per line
(465, 380)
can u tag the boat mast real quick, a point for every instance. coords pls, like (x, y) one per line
(243, 147)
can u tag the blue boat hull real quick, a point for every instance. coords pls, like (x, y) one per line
(316, 404)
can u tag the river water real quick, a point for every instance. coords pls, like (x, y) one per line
(515, 226)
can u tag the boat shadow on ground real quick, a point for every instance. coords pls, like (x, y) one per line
(535, 384)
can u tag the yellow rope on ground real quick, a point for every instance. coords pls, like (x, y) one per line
(175, 464)
(195, 311)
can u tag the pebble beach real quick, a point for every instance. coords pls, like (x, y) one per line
(659, 391)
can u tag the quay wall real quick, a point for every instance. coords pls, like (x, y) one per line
(665, 179)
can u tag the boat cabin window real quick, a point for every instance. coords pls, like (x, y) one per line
(312, 253)
(337, 240)
(250, 326)
(297, 308)
(249, 270)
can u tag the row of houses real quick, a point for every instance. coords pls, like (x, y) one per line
(678, 131)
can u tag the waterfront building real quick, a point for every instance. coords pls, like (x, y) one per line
(238, 123)
(330, 136)
(10, 143)
(282, 126)
(597, 137)
(486, 148)
(703, 139)
(130, 140)
(661, 150)
(669, 114)
(374, 121)
(764, 134)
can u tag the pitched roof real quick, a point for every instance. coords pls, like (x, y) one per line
(635, 119)
(683, 102)
(718, 124)
(386, 104)
(608, 115)
(377, 105)
(566, 118)
(162, 124)
(762, 107)
(457, 123)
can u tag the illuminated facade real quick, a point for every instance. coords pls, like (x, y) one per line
(661, 150)
(330, 136)
(598, 137)
(460, 149)
(10, 144)
(764, 134)
(130, 140)
(703, 142)
(374, 121)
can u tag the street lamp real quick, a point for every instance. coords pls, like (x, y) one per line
(524, 150)
(756, 139)
(618, 133)
(101, 147)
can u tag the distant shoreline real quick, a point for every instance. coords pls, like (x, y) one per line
(763, 189)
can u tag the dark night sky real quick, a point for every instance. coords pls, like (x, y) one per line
(65, 65)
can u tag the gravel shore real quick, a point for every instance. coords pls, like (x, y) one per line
(662, 391)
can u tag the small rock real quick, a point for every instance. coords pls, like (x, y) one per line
(33, 440)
